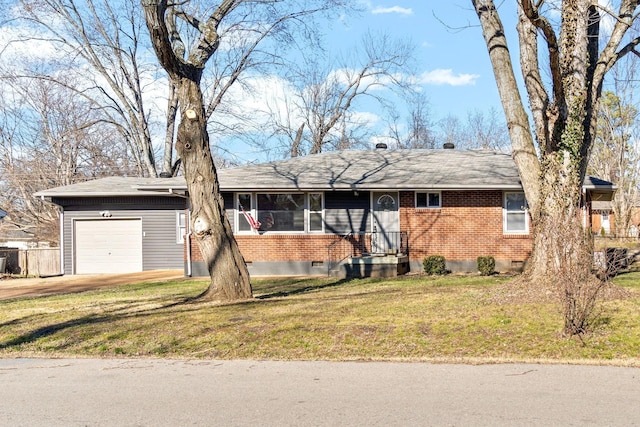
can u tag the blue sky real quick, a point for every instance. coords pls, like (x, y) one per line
(451, 53)
(453, 67)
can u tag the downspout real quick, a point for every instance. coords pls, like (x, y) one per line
(188, 238)
(61, 216)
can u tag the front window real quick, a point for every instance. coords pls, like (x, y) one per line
(315, 212)
(281, 212)
(246, 216)
(516, 219)
(428, 200)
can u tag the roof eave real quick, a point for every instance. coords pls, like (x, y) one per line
(85, 194)
(372, 188)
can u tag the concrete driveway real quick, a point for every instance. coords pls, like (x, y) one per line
(29, 287)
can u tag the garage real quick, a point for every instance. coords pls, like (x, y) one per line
(108, 246)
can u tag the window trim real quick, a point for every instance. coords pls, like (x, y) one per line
(255, 211)
(439, 193)
(304, 230)
(505, 215)
(309, 212)
(238, 213)
(181, 231)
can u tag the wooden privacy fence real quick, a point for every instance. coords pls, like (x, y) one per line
(37, 262)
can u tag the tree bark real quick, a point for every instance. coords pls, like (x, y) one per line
(524, 152)
(551, 177)
(208, 223)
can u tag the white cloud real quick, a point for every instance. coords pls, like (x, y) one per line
(17, 45)
(446, 77)
(393, 9)
(365, 118)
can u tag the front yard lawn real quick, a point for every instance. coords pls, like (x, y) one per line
(419, 318)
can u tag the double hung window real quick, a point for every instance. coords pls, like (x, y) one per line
(515, 216)
(181, 226)
(245, 212)
(315, 212)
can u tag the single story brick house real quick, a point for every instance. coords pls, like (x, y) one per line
(354, 210)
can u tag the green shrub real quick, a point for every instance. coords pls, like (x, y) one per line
(435, 264)
(486, 265)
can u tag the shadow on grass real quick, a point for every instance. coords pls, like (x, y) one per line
(299, 286)
(127, 309)
(52, 329)
(91, 319)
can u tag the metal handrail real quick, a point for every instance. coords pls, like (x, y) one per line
(330, 263)
(363, 244)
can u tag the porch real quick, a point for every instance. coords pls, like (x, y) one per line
(377, 254)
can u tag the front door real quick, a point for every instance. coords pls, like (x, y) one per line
(386, 222)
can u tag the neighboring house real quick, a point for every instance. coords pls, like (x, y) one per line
(602, 217)
(359, 211)
(13, 238)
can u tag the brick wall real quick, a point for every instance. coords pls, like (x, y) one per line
(468, 225)
(292, 247)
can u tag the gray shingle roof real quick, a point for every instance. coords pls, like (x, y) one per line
(104, 187)
(379, 170)
(340, 170)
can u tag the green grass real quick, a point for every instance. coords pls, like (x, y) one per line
(451, 318)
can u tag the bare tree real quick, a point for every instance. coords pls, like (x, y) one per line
(418, 129)
(184, 57)
(615, 158)
(552, 156)
(321, 113)
(484, 130)
(450, 130)
(49, 138)
(104, 38)
(481, 130)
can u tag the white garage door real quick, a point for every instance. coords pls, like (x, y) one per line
(108, 246)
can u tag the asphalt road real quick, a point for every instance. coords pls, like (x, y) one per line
(87, 392)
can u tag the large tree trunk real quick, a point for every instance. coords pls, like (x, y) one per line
(559, 235)
(209, 223)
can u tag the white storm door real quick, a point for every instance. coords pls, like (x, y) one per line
(386, 222)
(108, 246)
